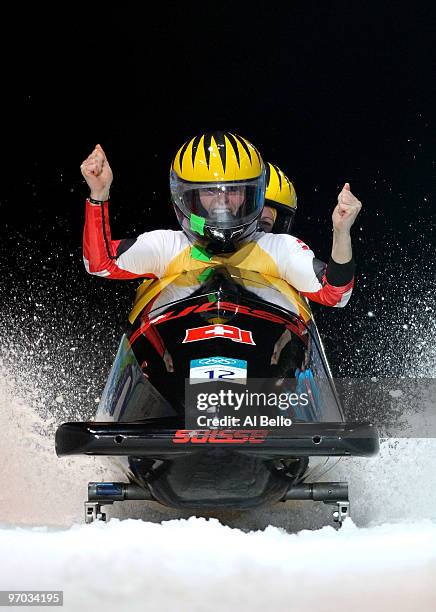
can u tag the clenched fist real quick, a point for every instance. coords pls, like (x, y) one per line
(346, 210)
(97, 173)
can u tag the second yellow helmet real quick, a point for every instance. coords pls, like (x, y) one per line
(281, 197)
(279, 189)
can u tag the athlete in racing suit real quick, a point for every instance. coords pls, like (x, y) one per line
(162, 253)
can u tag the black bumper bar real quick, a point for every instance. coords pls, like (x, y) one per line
(146, 440)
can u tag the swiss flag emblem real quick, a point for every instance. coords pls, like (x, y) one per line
(218, 331)
(303, 245)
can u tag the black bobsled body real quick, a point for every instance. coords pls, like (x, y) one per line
(227, 327)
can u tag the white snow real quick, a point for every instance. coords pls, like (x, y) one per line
(278, 558)
(395, 393)
(199, 564)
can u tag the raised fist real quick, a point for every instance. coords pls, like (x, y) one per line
(346, 210)
(97, 173)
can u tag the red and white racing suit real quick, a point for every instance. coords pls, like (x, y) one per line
(162, 253)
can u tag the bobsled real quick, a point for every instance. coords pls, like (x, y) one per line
(220, 396)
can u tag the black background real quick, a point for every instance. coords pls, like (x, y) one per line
(330, 91)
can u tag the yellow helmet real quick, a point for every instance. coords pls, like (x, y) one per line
(217, 183)
(215, 157)
(281, 197)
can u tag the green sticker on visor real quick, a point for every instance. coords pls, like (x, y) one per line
(197, 224)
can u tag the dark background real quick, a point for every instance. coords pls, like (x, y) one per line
(330, 91)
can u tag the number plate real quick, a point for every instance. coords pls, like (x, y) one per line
(218, 368)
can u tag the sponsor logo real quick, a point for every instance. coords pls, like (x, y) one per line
(219, 436)
(207, 332)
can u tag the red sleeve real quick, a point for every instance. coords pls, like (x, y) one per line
(337, 282)
(330, 295)
(100, 252)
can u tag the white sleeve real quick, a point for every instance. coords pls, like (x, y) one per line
(151, 252)
(294, 260)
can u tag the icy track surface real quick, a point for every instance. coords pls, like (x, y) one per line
(262, 560)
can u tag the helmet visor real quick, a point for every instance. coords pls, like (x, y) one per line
(222, 205)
